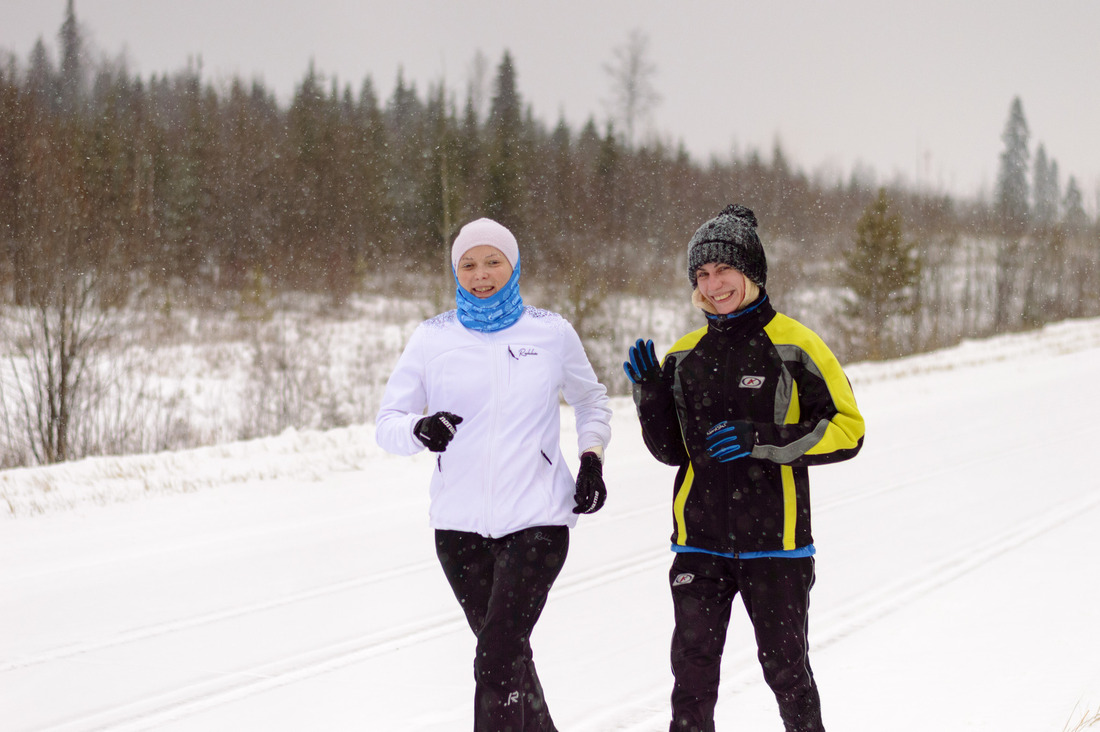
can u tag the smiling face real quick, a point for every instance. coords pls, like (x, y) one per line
(483, 271)
(721, 285)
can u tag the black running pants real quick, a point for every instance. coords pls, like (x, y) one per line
(502, 585)
(776, 594)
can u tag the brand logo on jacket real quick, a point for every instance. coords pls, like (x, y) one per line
(521, 352)
(751, 382)
(683, 579)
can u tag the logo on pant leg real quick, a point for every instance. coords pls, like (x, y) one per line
(683, 579)
(512, 697)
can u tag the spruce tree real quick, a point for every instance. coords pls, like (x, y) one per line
(1012, 188)
(1045, 190)
(72, 71)
(1073, 205)
(1012, 212)
(504, 195)
(881, 274)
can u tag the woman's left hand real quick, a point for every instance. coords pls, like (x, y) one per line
(591, 491)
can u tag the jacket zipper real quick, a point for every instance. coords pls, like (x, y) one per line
(494, 386)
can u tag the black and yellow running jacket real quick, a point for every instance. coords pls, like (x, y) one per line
(761, 366)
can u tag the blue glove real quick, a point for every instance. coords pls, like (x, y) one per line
(730, 439)
(642, 367)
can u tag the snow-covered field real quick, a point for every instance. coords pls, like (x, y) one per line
(290, 583)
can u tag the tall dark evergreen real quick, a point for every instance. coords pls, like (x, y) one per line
(13, 138)
(315, 205)
(504, 195)
(406, 120)
(371, 165)
(441, 192)
(470, 168)
(1073, 206)
(607, 171)
(562, 185)
(191, 188)
(1012, 210)
(1012, 194)
(248, 205)
(42, 79)
(71, 82)
(1045, 194)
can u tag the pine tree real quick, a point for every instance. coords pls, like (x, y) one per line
(562, 194)
(371, 170)
(191, 191)
(313, 187)
(1073, 205)
(42, 84)
(72, 71)
(504, 193)
(248, 204)
(440, 193)
(1012, 188)
(1012, 211)
(881, 273)
(13, 139)
(1043, 294)
(408, 170)
(1045, 188)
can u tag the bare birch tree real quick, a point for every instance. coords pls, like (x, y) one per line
(633, 96)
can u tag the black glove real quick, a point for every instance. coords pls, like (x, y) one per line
(642, 368)
(730, 440)
(591, 492)
(436, 430)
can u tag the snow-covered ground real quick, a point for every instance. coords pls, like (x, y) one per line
(290, 583)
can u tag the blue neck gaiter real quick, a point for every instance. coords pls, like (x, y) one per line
(496, 312)
(718, 319)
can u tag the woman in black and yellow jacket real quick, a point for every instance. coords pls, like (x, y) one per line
(742, 406)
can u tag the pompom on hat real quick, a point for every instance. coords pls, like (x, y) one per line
(485, 231)
(730, 238)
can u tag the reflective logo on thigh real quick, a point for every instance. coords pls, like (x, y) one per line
(683, 579)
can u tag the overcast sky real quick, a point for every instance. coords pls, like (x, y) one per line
(919, 91)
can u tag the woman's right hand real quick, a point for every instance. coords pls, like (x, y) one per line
(643, 368)
(436, 431)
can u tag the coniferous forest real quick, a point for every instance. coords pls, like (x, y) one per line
(124, 194)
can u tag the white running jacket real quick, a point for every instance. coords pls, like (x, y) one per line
(504, 470)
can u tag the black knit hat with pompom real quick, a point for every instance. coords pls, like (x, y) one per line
(730, 238)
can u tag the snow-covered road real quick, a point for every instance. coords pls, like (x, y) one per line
(956, 576)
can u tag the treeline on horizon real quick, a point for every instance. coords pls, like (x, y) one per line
(164, 184)
(122, 199)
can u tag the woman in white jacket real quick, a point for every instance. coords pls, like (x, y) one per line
(490, 375)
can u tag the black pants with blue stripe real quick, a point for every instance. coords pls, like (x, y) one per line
(502, 585)
(776, 594)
